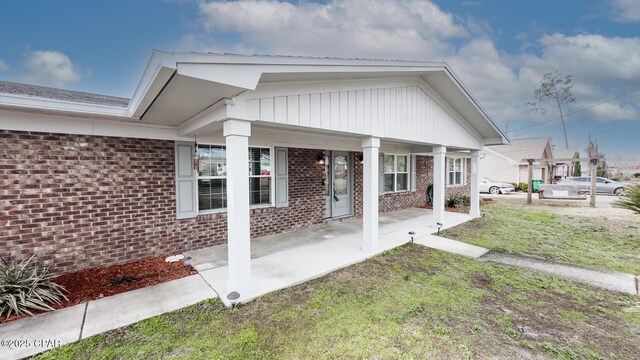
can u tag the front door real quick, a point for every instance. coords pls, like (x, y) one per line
(340, 194)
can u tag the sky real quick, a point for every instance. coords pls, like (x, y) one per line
(499, 49)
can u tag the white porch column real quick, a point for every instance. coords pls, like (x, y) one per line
(236, 133)
(439, 184)
(370, 152)
(474, 208)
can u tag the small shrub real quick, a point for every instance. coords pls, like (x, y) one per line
(451, 202)
(631, 199)
(522, 186)
(24, 287)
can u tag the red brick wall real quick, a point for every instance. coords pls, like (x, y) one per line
(83, 201)
(403, 200)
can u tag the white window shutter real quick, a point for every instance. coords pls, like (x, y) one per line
(186, 181)
(381, 175)
(413, 173)
(282, 177)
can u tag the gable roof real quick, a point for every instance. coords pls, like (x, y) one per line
(175, 87)
(564, 154)
(44, 92)
(520, 149)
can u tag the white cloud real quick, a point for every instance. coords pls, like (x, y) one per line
(602, 67)
(50, 68)
(351, 28)
(626, 10)
(3, 65)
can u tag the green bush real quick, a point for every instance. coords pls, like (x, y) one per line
(25, 286)
(458, 201)
(631, 199)
(522, 186)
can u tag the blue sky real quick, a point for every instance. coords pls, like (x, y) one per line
(500, 49)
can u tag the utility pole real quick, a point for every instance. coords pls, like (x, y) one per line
(530, 185)
(594, 166)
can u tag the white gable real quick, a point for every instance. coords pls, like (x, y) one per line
(404, 112)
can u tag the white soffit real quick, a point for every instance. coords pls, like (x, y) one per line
(183, 97)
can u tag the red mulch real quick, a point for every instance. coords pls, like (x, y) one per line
(95, 283)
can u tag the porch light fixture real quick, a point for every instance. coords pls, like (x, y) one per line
(530, 161)
(320, 159)
(359, 158)
(439, 227)
(594, 161)
(411, 233)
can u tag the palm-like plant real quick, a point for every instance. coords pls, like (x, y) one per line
(631, 199)
(25, 287)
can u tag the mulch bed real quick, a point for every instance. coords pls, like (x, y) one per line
(96, 283)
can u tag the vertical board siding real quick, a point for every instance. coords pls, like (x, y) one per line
(397, 112)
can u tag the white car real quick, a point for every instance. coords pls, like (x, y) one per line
(495, 187)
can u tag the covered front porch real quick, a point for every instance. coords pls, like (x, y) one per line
(283, 260)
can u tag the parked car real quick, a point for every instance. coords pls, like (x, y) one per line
(603, 185)
(495, 187)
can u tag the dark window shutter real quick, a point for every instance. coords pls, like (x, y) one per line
(282, 177)
(186, 181)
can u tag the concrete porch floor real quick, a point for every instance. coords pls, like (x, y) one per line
(290, 258)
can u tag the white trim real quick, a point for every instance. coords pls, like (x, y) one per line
(395, 173)
(255, 206)
(463, 171)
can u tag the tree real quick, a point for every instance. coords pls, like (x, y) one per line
(594, 153)
(577, 168)
(557, 88)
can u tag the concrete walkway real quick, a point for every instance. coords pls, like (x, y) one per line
(283, 260)
(614, 281)
(279, 261)
(97, 316)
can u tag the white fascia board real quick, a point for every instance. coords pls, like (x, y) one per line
(475, 103)
(154, 77)
(448, 109)
(60, 106)
(218, 112)
(82, 125)
(240, 59)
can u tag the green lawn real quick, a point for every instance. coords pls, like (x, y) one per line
(409, 303)
(596, 242)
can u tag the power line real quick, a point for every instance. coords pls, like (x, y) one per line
(575, 112)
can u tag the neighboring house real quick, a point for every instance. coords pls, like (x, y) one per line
(90, 180)
(564, 161)
(508, 163)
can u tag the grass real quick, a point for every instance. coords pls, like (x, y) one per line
(408, 303)
(593, 242)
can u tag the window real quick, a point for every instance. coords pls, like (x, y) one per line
(212, 177)
(396, 173)
(259, 176)
(455, 172)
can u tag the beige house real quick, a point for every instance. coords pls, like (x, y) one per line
(564, 161)
(509, 163)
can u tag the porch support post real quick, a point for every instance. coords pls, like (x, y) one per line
(474, 208)
(236, 133)
(370, 152)
(439, 184)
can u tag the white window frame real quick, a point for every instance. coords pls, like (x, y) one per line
(257, 206)
(395, 173)
(463, 171)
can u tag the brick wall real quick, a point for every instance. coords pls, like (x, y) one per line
(403, 200)
(83, 201)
